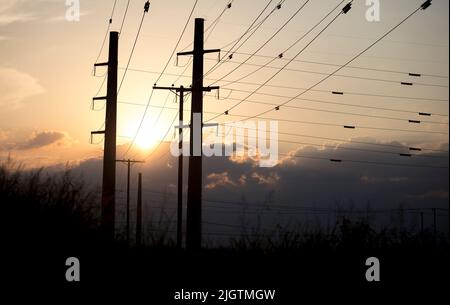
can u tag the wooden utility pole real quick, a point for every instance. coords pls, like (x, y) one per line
(109, 154)
(179, 91)
(194, 200)
(139, 213)
(129, 163)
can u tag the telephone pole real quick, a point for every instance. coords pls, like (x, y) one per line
(179, 91)
(139, 213)
(109, 154)
(194, 200)
(129, 163)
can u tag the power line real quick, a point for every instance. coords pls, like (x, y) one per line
(406, 73)
(146, 8)
(159, 77)
(344, 104)
(333, 160)
(213, 24)
(132, 49)
(124, 17)
(343, 112)
(283, 206)
(344, 11)
(267, 65)
(210, 29)
(311, 90)
(317, 137)
(107, 31)
(423, 6)
(273, 36)
(353, 148)
(243, 35)
(349, 126)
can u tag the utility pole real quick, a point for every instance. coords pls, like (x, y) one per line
(109, 154)
(139, 213)
(179, 91)
(194, 200)
(129, 163)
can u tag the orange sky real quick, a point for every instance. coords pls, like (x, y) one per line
(47, 87)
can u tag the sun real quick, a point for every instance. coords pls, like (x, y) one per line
(146, 142)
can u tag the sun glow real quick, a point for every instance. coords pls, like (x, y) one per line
(146, 141)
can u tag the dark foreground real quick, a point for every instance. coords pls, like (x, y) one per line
(45, 221)
(156, 275)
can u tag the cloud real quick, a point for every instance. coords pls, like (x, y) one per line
(219, 179)
(16, 86)
(45, 138)
(62, 17)
(272, 178)
(441, 194)
(14, 11)
(4, 135)
(11, 12)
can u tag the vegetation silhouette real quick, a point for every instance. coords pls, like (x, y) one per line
(50, 217)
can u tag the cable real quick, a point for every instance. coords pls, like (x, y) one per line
(311, 90)
(132, 51)
(414, 74)
(316, 137)
(124, 17)
(342, 112)
(329, 124)
(243, 35)
(366, 162)
(345, 104)
(281, 69)
(340, 68)
(349, 148)
(159, 77)
(211, 30)
(213, 24)
(99, 54)
(398, 82)
(162, 139)
(270, 39)
(107, 31)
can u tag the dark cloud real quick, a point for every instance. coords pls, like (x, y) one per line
(296, 182)
(41, 139)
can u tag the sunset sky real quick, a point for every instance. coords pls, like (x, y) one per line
(46, 85)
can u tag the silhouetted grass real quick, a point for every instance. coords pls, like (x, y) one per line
(59, 211)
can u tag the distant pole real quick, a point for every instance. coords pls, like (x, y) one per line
(181, 90)
(129, 163)
(180, 176)
(194, 200)
(109, 154)
(128, 200)
(139, 213)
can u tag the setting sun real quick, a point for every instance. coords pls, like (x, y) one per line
(146, 141)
